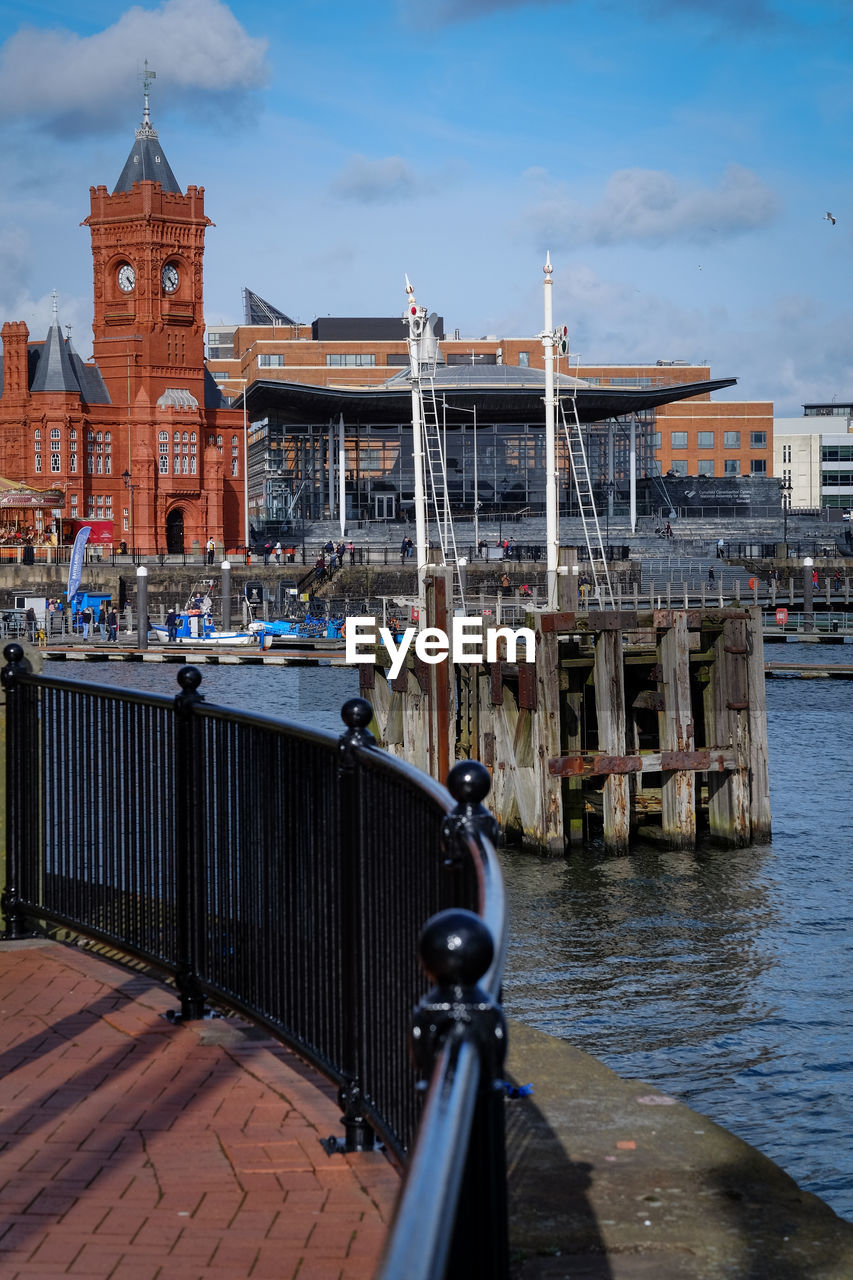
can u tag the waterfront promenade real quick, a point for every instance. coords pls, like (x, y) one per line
(133, 1149)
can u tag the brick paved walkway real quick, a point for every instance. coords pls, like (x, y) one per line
(131, 1149)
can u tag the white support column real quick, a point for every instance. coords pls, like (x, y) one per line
(342, 478)
(552, 548)
(632, 472)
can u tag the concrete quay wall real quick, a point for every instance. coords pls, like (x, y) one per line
(610, 1179)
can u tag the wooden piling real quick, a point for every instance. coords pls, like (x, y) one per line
(653, 720)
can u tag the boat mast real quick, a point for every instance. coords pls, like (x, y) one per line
(415, 317)
(552, 547)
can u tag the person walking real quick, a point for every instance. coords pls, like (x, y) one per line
(86, 619)
(711, 575)
(112, 625)
(351, 550)
(102, 621)
(211, 550)
(172, 625)
(277, 550)
(267, 551)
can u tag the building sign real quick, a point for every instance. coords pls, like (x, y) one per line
(20, 499)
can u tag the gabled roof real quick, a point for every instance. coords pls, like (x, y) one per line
(89, 378)
(54, 365)
(55, 371)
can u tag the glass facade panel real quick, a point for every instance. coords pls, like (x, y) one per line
(288, 466)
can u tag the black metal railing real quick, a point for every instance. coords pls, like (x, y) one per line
(283, 873)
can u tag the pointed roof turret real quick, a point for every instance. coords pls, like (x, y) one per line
(55, 371)
(146, 162)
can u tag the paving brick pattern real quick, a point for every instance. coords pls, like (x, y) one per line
(133, 1149)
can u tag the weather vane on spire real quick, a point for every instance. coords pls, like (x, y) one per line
(146, 76)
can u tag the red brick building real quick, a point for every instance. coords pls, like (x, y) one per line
(141, 435)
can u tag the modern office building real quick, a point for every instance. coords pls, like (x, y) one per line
(303, 380)
(813, 456)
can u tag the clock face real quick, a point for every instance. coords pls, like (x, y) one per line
(126, 278)
(169, 278)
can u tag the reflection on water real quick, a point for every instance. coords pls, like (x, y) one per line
(720, 977)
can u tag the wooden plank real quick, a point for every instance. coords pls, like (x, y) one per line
(587, 765)
(759, 767)
(497, 684)
(678, 792)
(527, 685)
(610, 713)
(728, 796)
(546, 743)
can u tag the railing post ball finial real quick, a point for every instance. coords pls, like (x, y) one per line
(456, 948)
(189, 678)
(357, 713)
(469, 782)
(14, 655)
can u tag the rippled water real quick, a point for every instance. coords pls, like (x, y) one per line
(722, 977)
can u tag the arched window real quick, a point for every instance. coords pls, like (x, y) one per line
(164, 435)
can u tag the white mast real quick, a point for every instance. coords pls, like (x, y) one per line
(415, 317)
(551, 509)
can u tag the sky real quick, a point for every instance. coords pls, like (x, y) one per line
(677, 159)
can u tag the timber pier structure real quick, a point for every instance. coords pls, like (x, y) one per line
(628, 725)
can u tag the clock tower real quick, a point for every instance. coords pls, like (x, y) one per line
(147, 250)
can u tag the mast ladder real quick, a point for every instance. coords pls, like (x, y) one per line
(434, 450)
(586, 503)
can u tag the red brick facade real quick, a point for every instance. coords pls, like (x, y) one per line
(185, 460)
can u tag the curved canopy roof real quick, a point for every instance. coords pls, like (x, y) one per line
(500, 394)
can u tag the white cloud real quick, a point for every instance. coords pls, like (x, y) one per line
(653, 207)
(67, 82)
(376, 181)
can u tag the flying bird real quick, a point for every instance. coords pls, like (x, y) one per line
(827, 217)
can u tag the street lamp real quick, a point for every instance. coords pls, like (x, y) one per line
(131, 489)
(609, 489)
